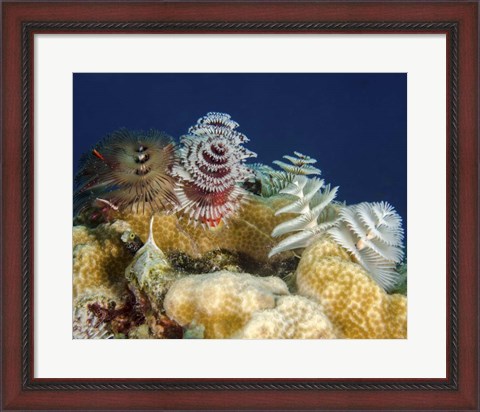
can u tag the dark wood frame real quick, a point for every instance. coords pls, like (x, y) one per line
(458, 20)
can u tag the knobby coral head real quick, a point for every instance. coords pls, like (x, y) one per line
(128, 170)
(211, 163)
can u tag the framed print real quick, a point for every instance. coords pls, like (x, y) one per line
(239, 205)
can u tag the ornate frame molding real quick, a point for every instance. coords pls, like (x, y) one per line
(28, 31)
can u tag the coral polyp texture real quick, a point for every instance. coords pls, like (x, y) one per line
(294, 317)
(128, 170)
(247, 233)
(351, 299)
(222, 302)
(372, 233)
(210, 168)
(188, 241)
(99, 260)
(239, 305)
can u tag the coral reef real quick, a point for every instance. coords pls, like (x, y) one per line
(350, 298)
(150, 273)
(223, 302)
(194, 331)
(156, 327)
(127, 170)
(242, 278)
(86, 325)
(102, 304)
(104, 268)
(211, 163)
(116, 317)
(99, 260)
(242, 306)
(211, 261)
(247, 233)
(94, 318)
(294, 317)
(372, 233)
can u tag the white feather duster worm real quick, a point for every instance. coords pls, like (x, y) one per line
(310, 206)
(373, 234)
(300, 165)
(273, 181)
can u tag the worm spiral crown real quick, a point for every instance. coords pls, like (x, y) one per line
(211, 163)
(313, 199)
(372, 233)
(128, 170)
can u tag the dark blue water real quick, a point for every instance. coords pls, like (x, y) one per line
(355, 125)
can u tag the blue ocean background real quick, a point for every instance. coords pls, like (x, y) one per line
(354, 124)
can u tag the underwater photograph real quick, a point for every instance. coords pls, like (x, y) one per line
(239, 206)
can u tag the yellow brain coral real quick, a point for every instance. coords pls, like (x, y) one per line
(350, 298)
(239, 305)
(223, 302)
(294, 317)
(247, 232)
(99, 260)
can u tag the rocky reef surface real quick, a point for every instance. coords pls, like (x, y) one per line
(183, 281)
